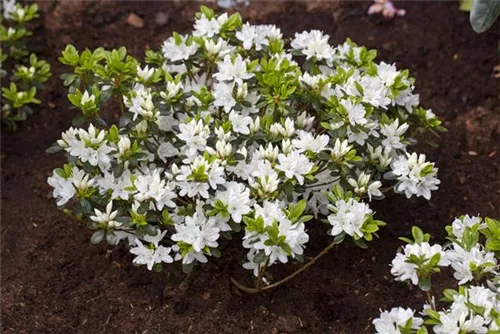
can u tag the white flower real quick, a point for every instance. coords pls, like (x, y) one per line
(116, 185)
(208, 28)
(340, 149)
(146, 73)
(171, 91)
(269, 211)
(246, 35)
(375, 92)
(379, 156)
(199, 232)
(151, 256)
(485, 298)
(9, 7)
(415, 175)
(458, 225)
(355, 112)
(295, 165)
(403, 270)
(237, 199)
(393, 133)
(233, 70)
(86, 97)
(91, 147)
(294, 234)
(313, 44)
(407, 99)
(256, 36)
(264, 180)
(348, 217)
(304, 121)
(387, 73)
(153, 187)
(81, 180)
(460, 320)
(362, 185)
(463, 261)
(142, 103)
(123, 146)
(240, 123)
(429, 114)
(287, 130)
(223, 95)
(219, 49)
(391, 322)
(63, 188)
(182, 51)
(106, 217)
(269, 153)
(307, 142)
(194, 134)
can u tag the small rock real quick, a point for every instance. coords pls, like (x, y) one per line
(135, 21)
(161, 19)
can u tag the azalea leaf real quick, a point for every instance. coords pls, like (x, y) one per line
(483, 14)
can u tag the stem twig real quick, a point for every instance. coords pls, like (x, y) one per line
(286, 279)
(258, 281)
(431, 301)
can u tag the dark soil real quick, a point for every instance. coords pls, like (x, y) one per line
(54, 281)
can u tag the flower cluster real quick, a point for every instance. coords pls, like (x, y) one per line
(28, 73)
(472, 253)
(223, 132)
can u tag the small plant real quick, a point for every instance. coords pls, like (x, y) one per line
(223, 133)
(28, 73)
(472, 252)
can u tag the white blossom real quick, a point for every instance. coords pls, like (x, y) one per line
(348, 217)
(391, 322)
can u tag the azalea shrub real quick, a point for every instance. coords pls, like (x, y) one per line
(24, 71)
(234, 130)
(472, 251)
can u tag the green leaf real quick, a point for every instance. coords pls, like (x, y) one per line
(260, 257)
(286, 248)
(360, 243)
(483, 14)
(424, 283)
(111, 238)
(422, 330)
(466, 5)
(493, 244)
(54, 149)
(97, 237)
(418, 235)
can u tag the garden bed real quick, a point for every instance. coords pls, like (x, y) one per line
(54, 281)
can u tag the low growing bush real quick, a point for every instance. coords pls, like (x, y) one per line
(27, 72)
(472, 251)
(232, 131)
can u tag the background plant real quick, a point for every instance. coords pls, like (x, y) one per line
(25, 72)
(223, 133)
(483, 14)
(472, 251)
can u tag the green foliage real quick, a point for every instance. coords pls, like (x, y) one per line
(483, 14)
(28, 73)
(94, 70)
